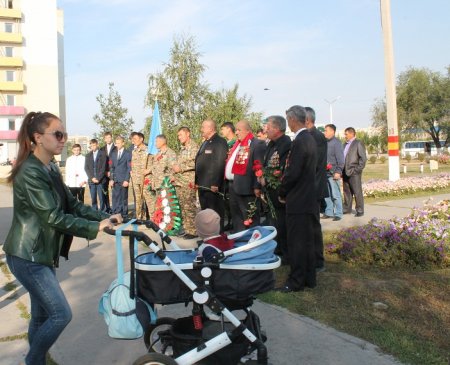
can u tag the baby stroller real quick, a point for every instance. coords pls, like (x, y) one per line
(224, 282)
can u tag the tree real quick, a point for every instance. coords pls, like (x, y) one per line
(379, 121)
(113, 117)
(423, 99)
(179, 88)
(226, 105)
(186, 100)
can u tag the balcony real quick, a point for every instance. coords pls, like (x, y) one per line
(10, 13)
(11, 62)
(11, 86)
(10, 37)
(7, 110)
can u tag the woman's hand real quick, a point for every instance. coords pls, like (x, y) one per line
(110, 222)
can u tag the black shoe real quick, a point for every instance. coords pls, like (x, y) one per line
(286, 289)
(320, 269)
(326, 216)
(359, 214)
(350, 212)
(189, 236)
(337, 219)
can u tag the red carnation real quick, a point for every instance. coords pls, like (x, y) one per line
(248, 222)
(146, 181)
(259, 173)
(277, 173)
(329, 166)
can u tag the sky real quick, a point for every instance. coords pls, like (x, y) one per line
(304, 52)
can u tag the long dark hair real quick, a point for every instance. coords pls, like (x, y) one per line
(34, 122)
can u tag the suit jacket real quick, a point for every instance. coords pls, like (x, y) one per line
(108, 155)
(245, 184)
(356, 158)
(120, 168)
(275, 157)
(321, 167)
(210, 162)
(299, 179)
(97, 169)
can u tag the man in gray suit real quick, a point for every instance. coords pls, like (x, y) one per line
(355, 161)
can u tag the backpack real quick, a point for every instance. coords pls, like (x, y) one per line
(126, 315)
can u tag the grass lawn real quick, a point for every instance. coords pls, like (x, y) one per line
(381, 170)
(415, 327)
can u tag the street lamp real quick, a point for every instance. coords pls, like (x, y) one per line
(330, 103)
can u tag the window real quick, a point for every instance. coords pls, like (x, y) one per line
(9, 51)
(9, 75)
(10, 100)
(10, 4)
(8, 27)
(12, 124)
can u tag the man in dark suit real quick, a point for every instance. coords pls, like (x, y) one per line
(243, 185)
(274, 163)
(355, 161)
(120, 177)
(108, 149)
(95, 167)
(209, 169)
(298, 190)
(321, 182)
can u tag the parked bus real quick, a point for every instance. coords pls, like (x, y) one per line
(413, 148)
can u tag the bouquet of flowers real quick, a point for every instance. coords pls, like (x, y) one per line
(270, 175)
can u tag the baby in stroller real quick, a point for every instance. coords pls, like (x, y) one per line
(207, 224)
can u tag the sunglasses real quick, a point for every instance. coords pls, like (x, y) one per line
(58, 135)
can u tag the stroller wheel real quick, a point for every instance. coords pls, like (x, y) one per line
(157, 338)
(155, 359)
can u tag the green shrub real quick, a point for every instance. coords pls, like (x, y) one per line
(421, 156)
(383, 159)
(373, 159)
(408, 157)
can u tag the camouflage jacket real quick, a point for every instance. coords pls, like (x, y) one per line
(138, 164)
(162, 166)
(186, 161)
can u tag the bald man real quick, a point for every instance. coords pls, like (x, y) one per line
(209, 169)
(242, 182)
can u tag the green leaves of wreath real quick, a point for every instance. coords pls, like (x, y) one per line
(167, 209)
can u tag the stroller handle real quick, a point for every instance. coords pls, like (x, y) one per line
(140, 236)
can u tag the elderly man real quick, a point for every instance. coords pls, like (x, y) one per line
(298, 190)
(335, 159)
(321, 182)
(243, 185)
(209, 169)
(355, 161)
(183, 180)
(274, 163)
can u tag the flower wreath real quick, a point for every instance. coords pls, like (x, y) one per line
(167, 213)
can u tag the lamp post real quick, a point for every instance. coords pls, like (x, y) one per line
(330, 103)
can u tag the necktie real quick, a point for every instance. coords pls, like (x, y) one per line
(120, 155)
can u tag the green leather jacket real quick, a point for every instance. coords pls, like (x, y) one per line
(39, 222)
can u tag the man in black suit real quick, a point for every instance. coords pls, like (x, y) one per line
(95, 167)
(209, 169)
(242, 182)
(120, 177)
(355, 161)
(274, 163)
(321, 182)
(108, 149)
(298, 190)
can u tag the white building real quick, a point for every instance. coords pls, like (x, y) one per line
(31, 65)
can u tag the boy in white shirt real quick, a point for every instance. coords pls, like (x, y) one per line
(76, 177)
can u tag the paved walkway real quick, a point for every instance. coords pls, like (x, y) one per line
(292, 339)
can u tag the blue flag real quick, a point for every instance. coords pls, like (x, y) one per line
(155, 130)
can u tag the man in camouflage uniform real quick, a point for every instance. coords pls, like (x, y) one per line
(148, 191)
(184, 181)
(138, 165)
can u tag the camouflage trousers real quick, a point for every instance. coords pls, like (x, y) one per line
(186, 197)
(138, 196)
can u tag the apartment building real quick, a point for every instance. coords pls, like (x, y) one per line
(31, 65)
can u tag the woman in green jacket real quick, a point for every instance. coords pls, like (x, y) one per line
(45, 218)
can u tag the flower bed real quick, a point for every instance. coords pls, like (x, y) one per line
(407, 185)
(420, 240)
